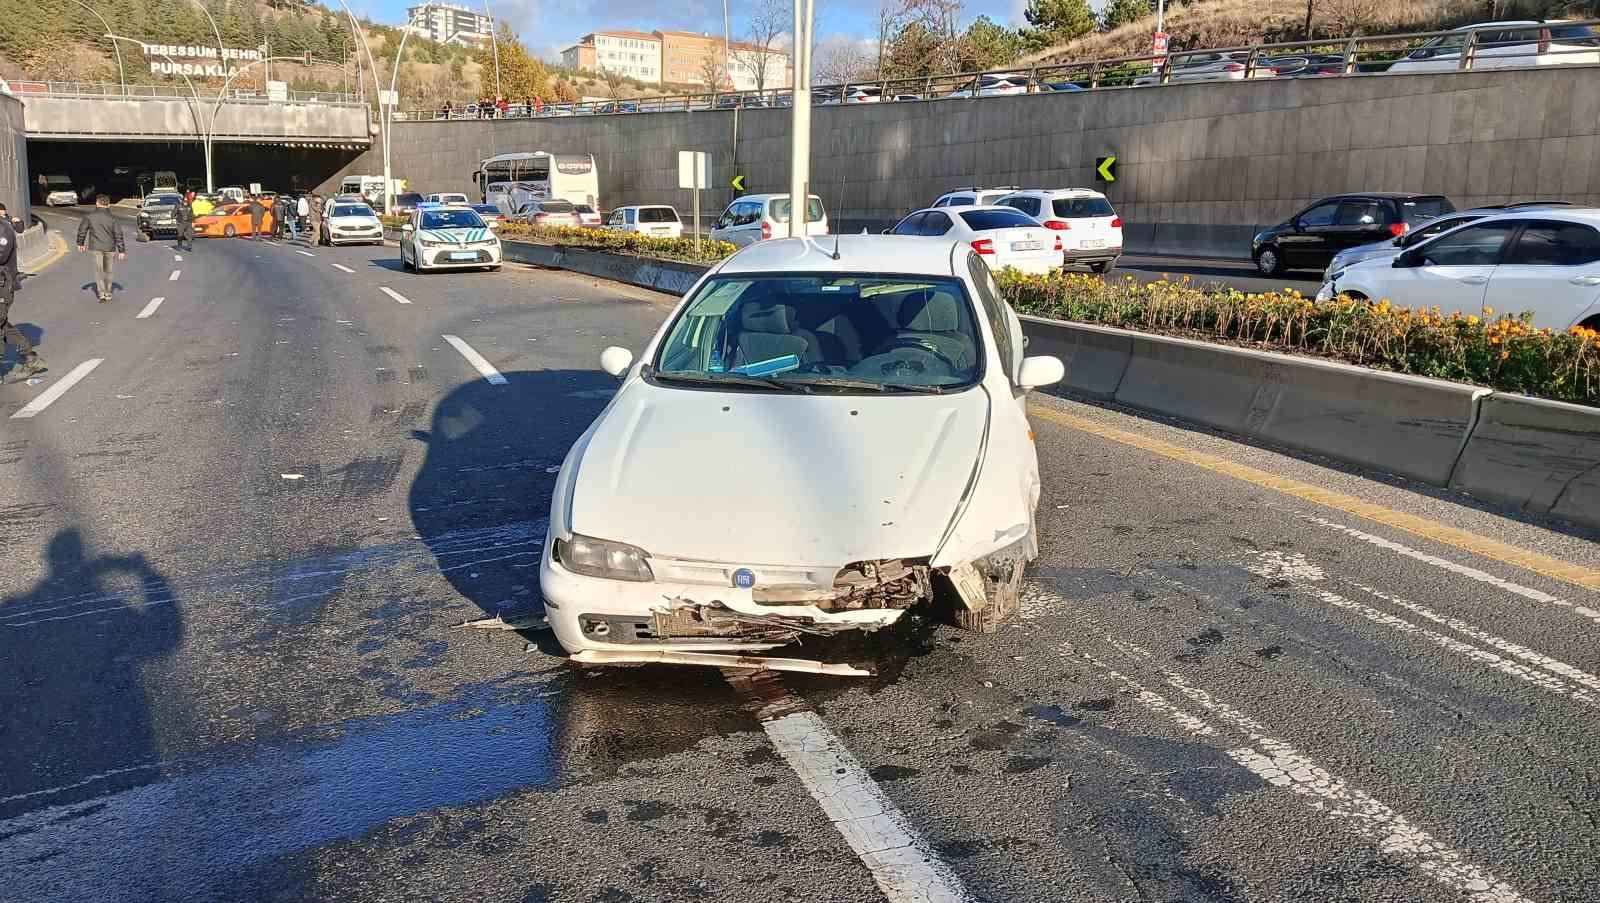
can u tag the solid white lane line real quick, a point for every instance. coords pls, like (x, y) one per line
(1455, 568)
(1281, 765)
(150, 309)
(394, 294)
(175, 275)
(1298, 572)
(477, 361)
(899, 859)
(306, 253)
(342, 267)
(48, 396)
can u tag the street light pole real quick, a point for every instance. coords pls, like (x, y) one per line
(377, 88)
(122, 75)
(800, 130)
(194, 111)
(494, 42)
(222, 94)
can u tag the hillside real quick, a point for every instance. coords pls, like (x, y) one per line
(1236, 23)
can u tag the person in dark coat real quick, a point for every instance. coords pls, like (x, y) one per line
(10, 334)
(99, 235)
(185, 216)
(257, 211)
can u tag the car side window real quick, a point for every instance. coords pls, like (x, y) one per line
(994, 310)
(1320, 215)
(962, 201)
(1437, 227)
(1555, 244)
(1360, 213)
(1478, 245)
(942, 202)
(1029, 206)
(748, 213)
(911, 225)
(631, 216)
(935, 224)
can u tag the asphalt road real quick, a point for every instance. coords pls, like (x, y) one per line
(234, 557)
(1211, 272)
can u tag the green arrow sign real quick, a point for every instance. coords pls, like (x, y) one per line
(1106, 168)
(737, 182)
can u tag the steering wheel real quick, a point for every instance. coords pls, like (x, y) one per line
(912, 342)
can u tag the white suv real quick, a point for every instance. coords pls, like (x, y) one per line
(758, 217)
(1093, 231)
(1506, 45)
(970, 197)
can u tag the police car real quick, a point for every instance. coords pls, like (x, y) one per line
(444, 238)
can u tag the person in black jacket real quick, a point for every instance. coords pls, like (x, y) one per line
(257, 211)
(9, 334)
(185, 217)
(99, 234)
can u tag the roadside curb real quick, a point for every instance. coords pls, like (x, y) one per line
(58, 250)
(1538, 456)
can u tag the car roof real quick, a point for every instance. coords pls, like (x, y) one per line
(870, 254)
(1380, 195)
(1068, 192)
(967, 208)
(766, 197)
(1587, 215)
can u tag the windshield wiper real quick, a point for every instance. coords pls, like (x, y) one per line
(842, 382)
(730, 379)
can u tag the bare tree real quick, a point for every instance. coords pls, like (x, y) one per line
(712, 73)
(763, 44)
(613, 80)
(841, 60)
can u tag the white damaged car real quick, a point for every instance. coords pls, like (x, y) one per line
(447, 238)
(824, 433)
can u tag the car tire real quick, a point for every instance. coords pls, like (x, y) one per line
(1269, 261)
(1591, 323)
(493, 269)
(229, 230)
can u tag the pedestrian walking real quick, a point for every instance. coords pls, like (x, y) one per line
(280, 216)
(302, 214)
(10, 279)
(257, 211)
(185, 216)
(100, 236)
(316, 219)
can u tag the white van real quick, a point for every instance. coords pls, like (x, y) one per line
(651, 219)
(758, 217)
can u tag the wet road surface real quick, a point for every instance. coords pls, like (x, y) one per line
(234, 558)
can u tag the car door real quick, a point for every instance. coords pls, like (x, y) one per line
(1452, 272)
(1304, 243)
(722, 229)
(1553, 270)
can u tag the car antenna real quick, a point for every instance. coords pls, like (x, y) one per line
(835, 246)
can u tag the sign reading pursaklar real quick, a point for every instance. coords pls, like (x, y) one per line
(214, 62)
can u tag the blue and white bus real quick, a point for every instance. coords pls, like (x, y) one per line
(511, 180)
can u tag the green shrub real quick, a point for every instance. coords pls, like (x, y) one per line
(633, 243)
(1497, 350)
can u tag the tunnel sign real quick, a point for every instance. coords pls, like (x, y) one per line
(1105, 168)
(190, 59)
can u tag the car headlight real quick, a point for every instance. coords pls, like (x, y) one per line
(602, 558)
(432, 244)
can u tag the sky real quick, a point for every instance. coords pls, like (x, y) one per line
(547, 26)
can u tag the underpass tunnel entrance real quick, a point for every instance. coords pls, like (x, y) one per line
(113, 167)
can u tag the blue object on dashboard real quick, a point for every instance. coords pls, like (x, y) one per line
(770, 366)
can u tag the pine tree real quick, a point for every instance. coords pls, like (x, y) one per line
(1121, 12)
(1056, 22)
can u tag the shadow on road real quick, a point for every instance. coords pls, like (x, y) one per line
(387, 263)
(76, 719)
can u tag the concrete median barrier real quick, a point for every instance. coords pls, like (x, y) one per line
(1404, 425)
(1096, 356)
(1539, 456)
(669, 276)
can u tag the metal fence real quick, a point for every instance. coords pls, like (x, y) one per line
(1498, 46)
(23, 88)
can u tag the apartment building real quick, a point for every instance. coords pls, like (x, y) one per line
(680, 58)
(450, 23)
(636, 54)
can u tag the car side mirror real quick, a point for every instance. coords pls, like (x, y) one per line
(615, 360)
(1406, 260)
(1041, 370)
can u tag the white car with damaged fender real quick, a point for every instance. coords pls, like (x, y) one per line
(825, 433)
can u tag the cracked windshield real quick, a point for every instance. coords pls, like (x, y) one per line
(937, 451)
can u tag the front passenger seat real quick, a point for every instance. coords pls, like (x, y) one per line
(934, 319)
(767, 330)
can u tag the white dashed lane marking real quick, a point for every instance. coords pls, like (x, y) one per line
(394, 294)
(306, 253)
(477, 360)
(177, 258)
(175, 275)
(150, 309)
(49, 396)
(342, 268)
(1283, 766)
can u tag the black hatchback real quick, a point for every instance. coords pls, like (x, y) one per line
(1309, 239)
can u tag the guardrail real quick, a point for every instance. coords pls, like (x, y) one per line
(1480, 47)
(174, 92)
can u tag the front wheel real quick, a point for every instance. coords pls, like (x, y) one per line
(1268, 262)
(229, 230)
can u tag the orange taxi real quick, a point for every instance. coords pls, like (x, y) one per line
(230, 220)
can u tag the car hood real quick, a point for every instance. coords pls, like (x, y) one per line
(355, 221)
(777, 479)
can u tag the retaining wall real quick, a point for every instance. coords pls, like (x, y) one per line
(14, 158)
(1202, 165)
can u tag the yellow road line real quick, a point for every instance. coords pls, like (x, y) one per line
(1544, 565)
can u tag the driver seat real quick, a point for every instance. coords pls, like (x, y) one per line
(933, 318)
(767, 330)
